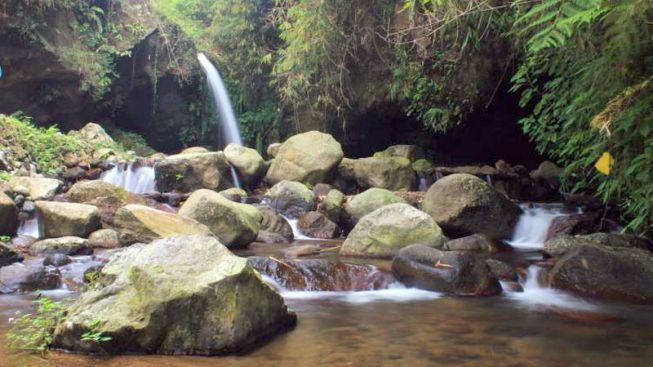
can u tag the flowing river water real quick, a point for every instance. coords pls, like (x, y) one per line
(386, 324)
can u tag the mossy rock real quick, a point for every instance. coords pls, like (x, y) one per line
(291, 198)
(248, 163)
(370, 200)
(67, 219)
(393, 173)
(86, 191)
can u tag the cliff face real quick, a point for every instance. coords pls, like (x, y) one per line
(114, 62)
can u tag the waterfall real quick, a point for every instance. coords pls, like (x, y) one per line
(30, 227)
(229, 125)
(533, 225)
(296, 232)
(138, 180)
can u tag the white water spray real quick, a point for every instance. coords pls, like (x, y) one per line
(533, 225)
(229, 124)
(137, 180)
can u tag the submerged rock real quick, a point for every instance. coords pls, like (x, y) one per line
(291, 198)
(368, 201)
(235, 224)
(392, 173)
(310, 157)
(615, 273)
(463, 204)
(386, 230)
(56, 260)
(248, 162)
(8, 215)
(190, 172)
(453, 272)
(317, 225)
(321, 274)
(138, 223)
(182, 295)
(68, 245)
(67, 219)
(26, 278)
(35, 188)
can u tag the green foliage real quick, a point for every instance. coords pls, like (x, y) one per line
(93, 335)
(4, 176)
(34, 332)
(5, 238)
(128, 140)
(588, 75)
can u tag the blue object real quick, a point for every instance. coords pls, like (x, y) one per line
(0, 72)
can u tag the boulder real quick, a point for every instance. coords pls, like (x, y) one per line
(559, 245)
(104, 238)
(194, 150)
(310, 157)
(139, 223)
(273, 150)
(67, 219)
(317, 225)
(333, 205)
(35, 188)
(26, 278)
(8, 215)
(235, 224)
(190, 172)
(368, 201)
(56, 260)
(463, 204)
(410, 152)
(291, 198)
(8, 255)
(95, 134)
(274, 222)
(383, 232)
(234, 194)
(248, 162)
(502, 270)
(86, 191)
(181, 295)
(614, 273)
(270, 237)
(452, 272)
(68, 245)
(475, 243)
(423, 167)
(394, 173)
(548, 172)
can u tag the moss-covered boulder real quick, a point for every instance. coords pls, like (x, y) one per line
(410, 152)
(368, 201)
(138, 223)
(559, 245)
(333, 205)
(8, 215)
(247, 161)
(317, 225)
(68, 245)
(86, 191)
(463, 205)
(310, 157)
(383, 232)
(452, 272)
(391, 173)
(234, 194)
(423, 167)
(195, 150)
(291, 198)
(181, 295)
(67, 219)
(235, 224)
(95, 134)
(35, 188)
(104, 238)
(190, 172)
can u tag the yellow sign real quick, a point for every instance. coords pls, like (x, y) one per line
(604, 163)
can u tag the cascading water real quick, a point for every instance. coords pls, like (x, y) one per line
(533, 225)
(296, 232)
(229, 124)
(135, 179)
(30, 227)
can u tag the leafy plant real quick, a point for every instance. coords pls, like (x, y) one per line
(94, 335)
(34, 332)
(5, 238)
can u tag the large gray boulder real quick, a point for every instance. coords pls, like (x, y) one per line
(139, 223)
(453, 272)
(391, 173)
(248, 162)
(385, 231)
(181, 295)
(190, 172)
(613, 273)
(463, 204)
(35, 188)
(67, 219)
(368, 201)
(8, 215)
(275, 223)
(235, 224)
(291, 198)
(86, 191)
(309, 157)
(559, 245)
(68, 245)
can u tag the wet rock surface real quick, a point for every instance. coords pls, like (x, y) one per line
(291, 198)
(59, 219)
(190, 172)
(8, 215)
(68, 245)
(275, 223)
(317, 225)
(478, 242)
(26, 278)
